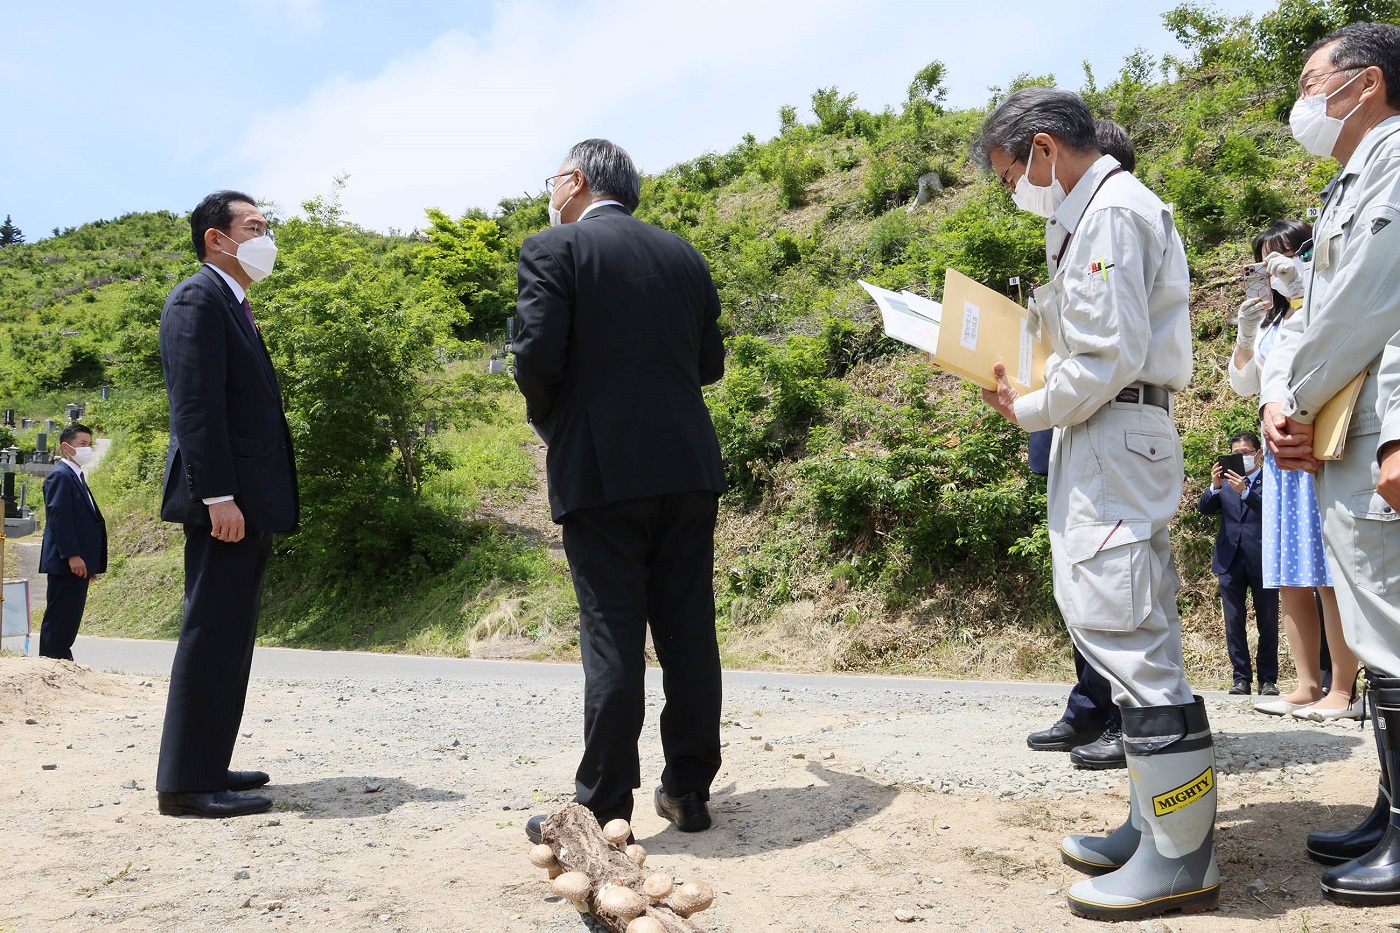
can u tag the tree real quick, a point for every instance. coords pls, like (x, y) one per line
(10, 235)
(368, 360)
(469, 259)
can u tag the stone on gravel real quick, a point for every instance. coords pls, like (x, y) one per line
(373, 787)
(241, 875)
(905, 916)
(49, 767)
(1256, 887)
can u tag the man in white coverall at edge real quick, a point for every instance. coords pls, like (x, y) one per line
(1349, 108)
(1115, 313)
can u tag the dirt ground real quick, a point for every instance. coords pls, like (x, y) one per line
(399, 805)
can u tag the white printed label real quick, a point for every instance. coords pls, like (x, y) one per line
(972, 317)
(1023, 365)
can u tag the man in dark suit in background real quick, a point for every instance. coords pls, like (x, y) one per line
(618, 332)
(1239, 564)
(75, 543)
(231, 481)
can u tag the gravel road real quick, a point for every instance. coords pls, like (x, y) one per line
(402, 785)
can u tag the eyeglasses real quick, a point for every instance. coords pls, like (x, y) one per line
(1309, 84)
(257, 230)
(1008, 185)
(553, 180)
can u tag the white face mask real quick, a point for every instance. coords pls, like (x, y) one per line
(1312, 127)
(556, 214)
(1038, 199)
(1249, 463)
(83, 455)
(257, 256)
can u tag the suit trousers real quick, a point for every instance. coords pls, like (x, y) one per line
(67, 596)
(1090, 705)
(648, 560)
(209, 678)
(1235, 583)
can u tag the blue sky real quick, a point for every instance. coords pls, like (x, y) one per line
(109, 108)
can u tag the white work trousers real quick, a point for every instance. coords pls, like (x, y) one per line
(1115, 484)
(1363, 551)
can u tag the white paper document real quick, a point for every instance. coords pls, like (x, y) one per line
(908, 318)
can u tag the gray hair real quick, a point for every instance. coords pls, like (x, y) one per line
(1032, 110)
(608, 169)
(1362, 45)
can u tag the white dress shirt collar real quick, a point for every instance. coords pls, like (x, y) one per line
(238, 293)
(600, 204)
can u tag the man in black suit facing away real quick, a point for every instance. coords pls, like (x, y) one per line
(75, 543)
(618, 332)
(231, 481)
(1239, 564)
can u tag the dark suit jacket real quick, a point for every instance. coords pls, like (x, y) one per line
(618, 330)
(1241, 524)
(73, 525)
(228, 436)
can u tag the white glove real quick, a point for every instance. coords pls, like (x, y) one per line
(1251, 312)
(1284, 275)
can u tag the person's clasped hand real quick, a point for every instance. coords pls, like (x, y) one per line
(1284, 275)
(1236, 481)
(1217, 475)
(1248, 317)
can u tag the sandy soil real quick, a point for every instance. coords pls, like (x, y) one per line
(399, 806)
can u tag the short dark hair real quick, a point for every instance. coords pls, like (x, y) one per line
(1032, 110)
(215, 212)
(1245, 436)
(608, 169)
(1282, 237)
(1361, 45)
(1115, 141)
(73, 430)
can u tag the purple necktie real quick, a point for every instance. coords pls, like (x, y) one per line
(248, 310)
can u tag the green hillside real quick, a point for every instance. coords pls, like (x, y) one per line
(880, 517)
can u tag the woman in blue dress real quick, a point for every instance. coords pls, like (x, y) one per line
(1294, 558)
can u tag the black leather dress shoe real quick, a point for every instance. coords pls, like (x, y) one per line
(1103, 755)
(1060, 737)
(247, 780)
(1240, 689)
(1268, 688)
(688, 812)
(215, 804)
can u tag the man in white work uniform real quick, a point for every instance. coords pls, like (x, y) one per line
(1115, 311)
(1349, 109)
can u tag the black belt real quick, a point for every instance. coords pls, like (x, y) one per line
(1147, 395)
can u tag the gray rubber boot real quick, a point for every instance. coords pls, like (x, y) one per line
(1098, 855)
(1171, 764)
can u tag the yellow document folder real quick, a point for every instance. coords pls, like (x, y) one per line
(1330, 426)
(980, 328)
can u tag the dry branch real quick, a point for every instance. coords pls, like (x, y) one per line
(578, 844)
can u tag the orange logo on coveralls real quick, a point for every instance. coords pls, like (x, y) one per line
(1185, 795)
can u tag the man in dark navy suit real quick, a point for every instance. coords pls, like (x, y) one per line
(1239, 564)
(634, 471)
(230, 480)
(75, 543)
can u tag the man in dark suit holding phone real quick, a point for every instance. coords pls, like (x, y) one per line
(230, 480)
(75, 543)
(1238, 562)
(634, 471)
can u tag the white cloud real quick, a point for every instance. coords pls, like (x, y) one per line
(472, 118)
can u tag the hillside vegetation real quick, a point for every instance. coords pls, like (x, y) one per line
(880, 517)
